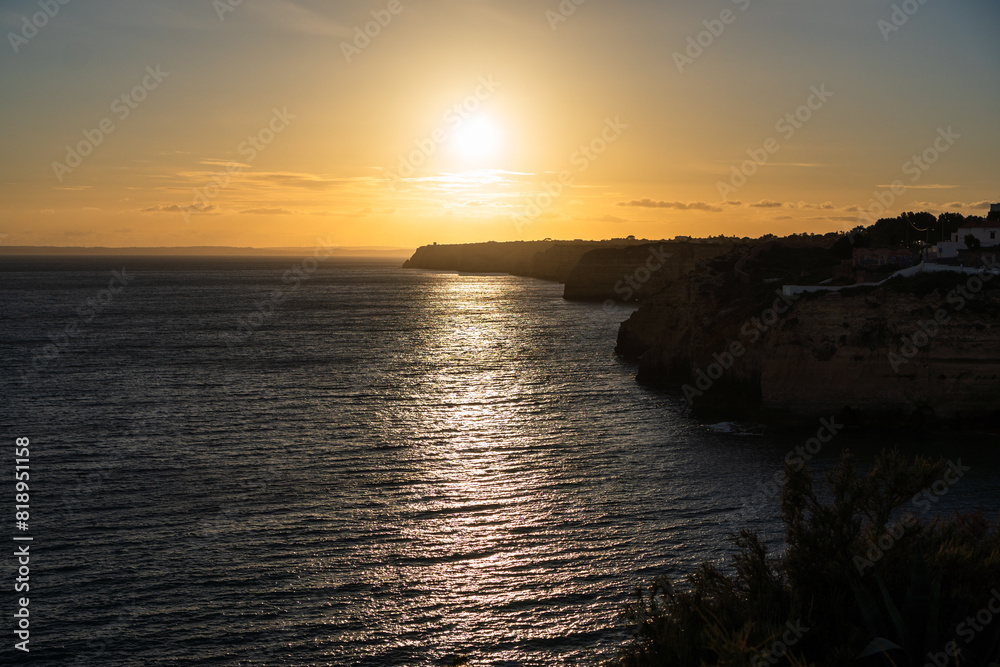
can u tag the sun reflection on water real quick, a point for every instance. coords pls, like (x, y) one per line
(491, 524)
(481, 496)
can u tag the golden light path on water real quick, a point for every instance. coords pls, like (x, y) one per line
(486, 506)
(514, 483)
(485, 486)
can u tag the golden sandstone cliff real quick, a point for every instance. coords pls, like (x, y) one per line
(717, 323)
(921, 348)
(635, 272)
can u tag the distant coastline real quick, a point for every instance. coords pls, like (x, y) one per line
(202, 251)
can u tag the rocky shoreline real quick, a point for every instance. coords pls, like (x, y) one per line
(624, 270)
(715, 323)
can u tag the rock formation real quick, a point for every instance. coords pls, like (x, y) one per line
(926, 347)
(627, 274)
(548, 260)
(714, 322)
(516, 257)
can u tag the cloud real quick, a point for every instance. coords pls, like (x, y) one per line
(680, 206)
(360, 213)
(929, 186)
(979, 205)
(224, 163)
(266, 211)
(802, 205)
(298, 180)
(273, 180)
(292, 17)
(177, 208)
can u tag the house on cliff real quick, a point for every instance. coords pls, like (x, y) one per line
(988, 233)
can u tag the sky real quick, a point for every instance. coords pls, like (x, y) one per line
(405, 122)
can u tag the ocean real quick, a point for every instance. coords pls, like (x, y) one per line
(275, 461)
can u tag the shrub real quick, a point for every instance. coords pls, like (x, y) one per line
(872, 583)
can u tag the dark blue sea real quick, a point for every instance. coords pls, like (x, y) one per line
(274, 462)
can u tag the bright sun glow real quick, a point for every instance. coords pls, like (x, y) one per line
(476, 138)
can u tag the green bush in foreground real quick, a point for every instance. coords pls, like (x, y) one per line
(865, 579)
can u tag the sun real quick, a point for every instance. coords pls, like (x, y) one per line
(476, 138)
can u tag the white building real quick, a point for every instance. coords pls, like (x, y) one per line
(987, 232)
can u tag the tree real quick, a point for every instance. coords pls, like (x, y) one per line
(948, 224)
(842, 248)
(971, 242)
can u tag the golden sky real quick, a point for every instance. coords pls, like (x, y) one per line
(404, 122)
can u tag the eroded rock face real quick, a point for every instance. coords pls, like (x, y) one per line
(558, 262)
(628, 274)
(873, 352)
(914, 347)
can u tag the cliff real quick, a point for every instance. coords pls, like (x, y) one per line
(516, 257)
(547, 260)
(922, 348)
(557, 262)
(627, 274)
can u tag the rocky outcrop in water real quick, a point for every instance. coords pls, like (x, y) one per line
(926, 347)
